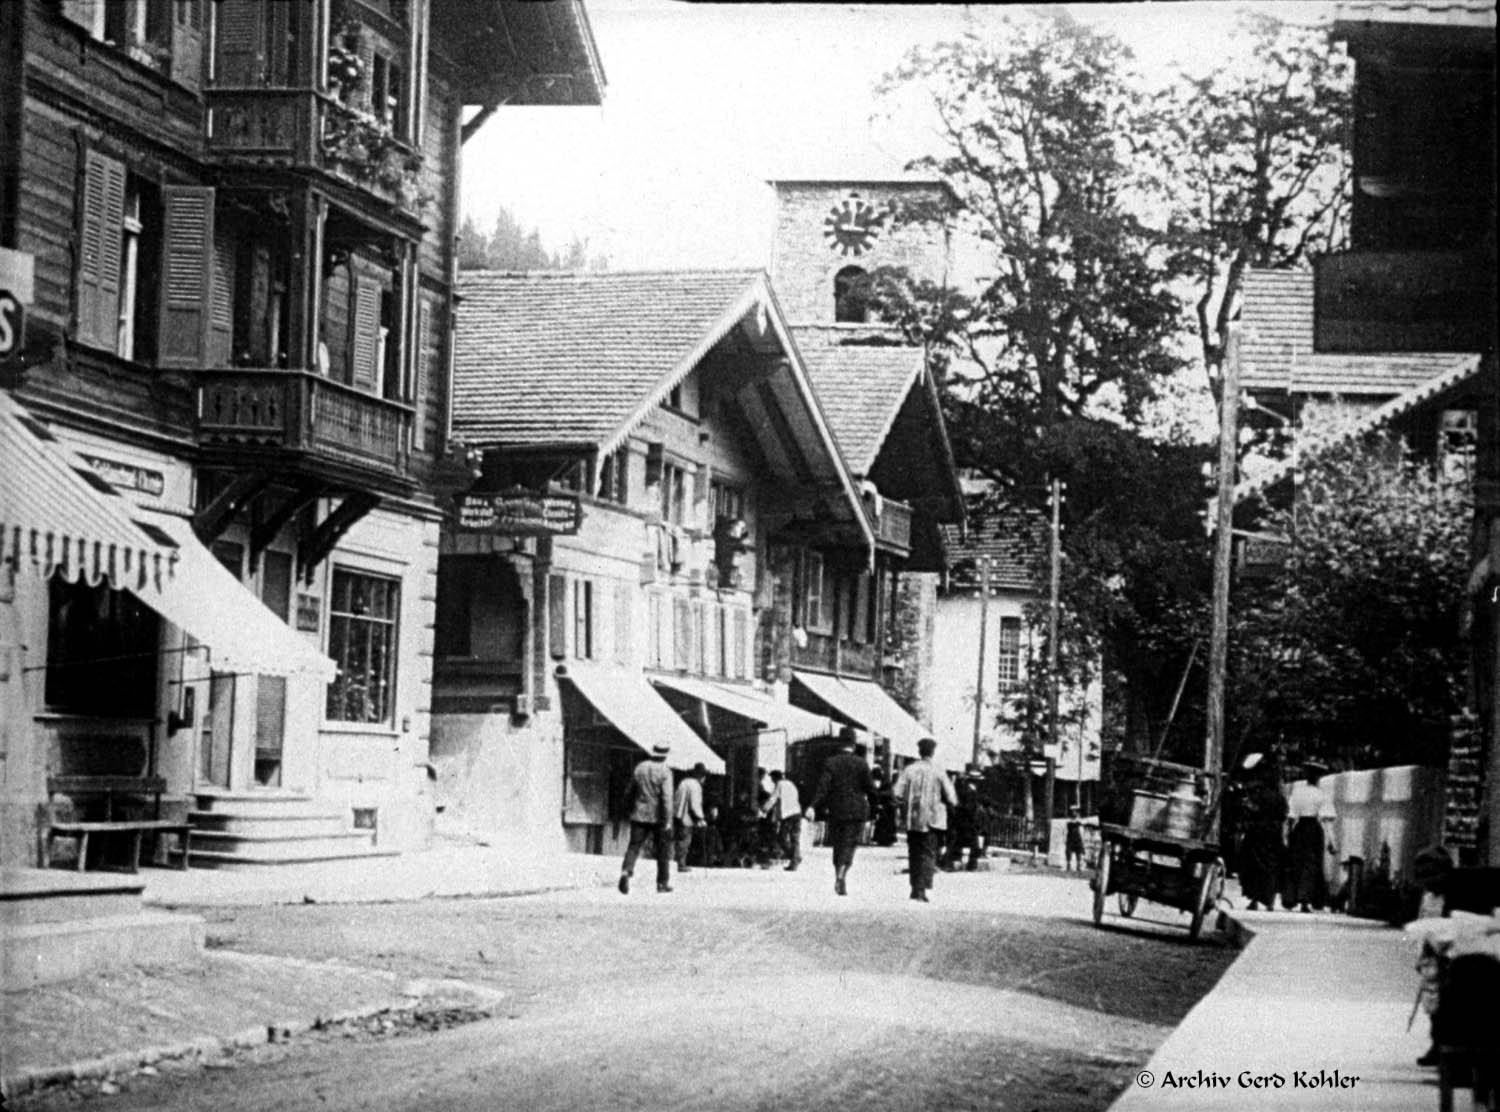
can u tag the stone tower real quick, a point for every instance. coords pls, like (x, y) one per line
(828, 228)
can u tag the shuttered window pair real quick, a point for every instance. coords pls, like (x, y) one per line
(166, 35)
(112, 244)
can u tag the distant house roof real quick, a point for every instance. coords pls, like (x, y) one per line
(1458, 370)
(1442, 13)
(557, 358)
(1276, 347)
(1012, 538)
(861, 385)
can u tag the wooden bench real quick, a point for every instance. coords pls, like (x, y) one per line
(113, 790)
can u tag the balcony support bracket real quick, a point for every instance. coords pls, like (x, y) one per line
(315, 549)
(265, 530)
(211, 521)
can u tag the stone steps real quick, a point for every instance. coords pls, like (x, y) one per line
(302, 825)
(272, 827)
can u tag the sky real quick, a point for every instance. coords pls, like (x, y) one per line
(705, 102)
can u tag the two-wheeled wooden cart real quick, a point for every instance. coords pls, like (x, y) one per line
(1154, 842)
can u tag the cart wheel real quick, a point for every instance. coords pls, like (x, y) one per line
(1208, 891)
(1127, 902)
(1101, 881)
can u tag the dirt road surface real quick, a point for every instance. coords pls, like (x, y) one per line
(740, 991)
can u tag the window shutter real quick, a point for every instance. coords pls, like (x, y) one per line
(221, 302)
(366, 330)
(188, 289)
(557, 616)
(741, 645)
(419, 391)
(187, 43)
(623, 606)
(862, 609)
(99, 254)
(367, 65)
(239, 32)
(682, 633)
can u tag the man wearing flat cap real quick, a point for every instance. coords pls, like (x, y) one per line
(650, 802)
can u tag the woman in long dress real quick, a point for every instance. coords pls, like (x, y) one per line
(1310, 815)
(1262, 851)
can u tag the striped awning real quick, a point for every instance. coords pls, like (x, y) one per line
(864, 704)
(60, 518)
(633, 707)
(754, 706)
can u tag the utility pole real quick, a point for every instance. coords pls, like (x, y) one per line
(984, 621)
(1052, 678)
(1218, 644)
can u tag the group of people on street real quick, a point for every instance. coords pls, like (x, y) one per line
(1283, 841)
(848, 796)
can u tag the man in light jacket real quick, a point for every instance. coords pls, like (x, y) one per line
(924, 792)
(650, 802)
(785, 809)
(687, 808)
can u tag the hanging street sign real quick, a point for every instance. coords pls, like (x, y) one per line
(519, 513)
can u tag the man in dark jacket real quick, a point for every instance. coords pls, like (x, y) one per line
(650, 804)
(845, 792)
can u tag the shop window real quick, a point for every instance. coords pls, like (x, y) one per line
(851, 296)
(362, 617)
(102, 650)
(1010, 653)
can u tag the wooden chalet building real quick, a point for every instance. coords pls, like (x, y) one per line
(242, 217)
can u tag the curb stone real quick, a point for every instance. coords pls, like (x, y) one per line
(212, 1046)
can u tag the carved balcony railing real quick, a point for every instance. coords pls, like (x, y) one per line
(306, 129)
(247, 411)
(1404, 301)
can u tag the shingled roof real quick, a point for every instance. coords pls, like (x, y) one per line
(558, 358)
(1276, 347)
(861, 386)
(1010, 537)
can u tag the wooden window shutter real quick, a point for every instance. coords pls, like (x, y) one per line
(99, 250)
(623, 606)
(187, 294)
(187, 43)
(682, 633)
(366, 330)
(423, 376)
(221, 301)
(239, 42)
(862, 609)
(557, 616)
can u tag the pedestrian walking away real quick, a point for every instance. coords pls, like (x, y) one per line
(925, 794)
(963, 833)
(785, 809)
(1262, 853)
(845, 794)
(1073, 844)
(1311, 818)
(687, 809)
(649, 800)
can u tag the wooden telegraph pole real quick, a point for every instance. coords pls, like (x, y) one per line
(1218, 644)
(983, 567)
(1052, 678)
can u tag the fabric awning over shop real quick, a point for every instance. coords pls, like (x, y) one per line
(867, 705)
(210, 605)
(635, 709)
(756, 707)
(60, 517)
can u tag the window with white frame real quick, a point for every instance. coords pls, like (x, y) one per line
(817, 594)
(362, 615)
(1010, 653)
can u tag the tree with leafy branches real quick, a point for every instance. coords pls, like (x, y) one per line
(1350, 651)
(1256, 157)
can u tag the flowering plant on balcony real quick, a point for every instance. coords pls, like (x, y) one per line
(362, 147)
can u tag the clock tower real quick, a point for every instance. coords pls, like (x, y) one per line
(829, 233)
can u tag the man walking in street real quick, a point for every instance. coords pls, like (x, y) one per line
(650, 803)
(846, 792)
(925, 794)
(785, 809)
(687, 808)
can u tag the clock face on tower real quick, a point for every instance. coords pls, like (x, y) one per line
(852, 226)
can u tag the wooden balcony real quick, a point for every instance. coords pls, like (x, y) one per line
(1371, 301)
(309, 130)
(893, 526)
(297, 420)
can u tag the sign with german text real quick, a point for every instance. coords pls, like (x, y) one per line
(519, 513)
(127, 476)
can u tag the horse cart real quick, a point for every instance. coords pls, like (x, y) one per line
(1155, 841)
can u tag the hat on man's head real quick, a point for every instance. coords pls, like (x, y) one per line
(660, 749)
(927, 746)
(972, 769)
(848, 735)
(700, 770)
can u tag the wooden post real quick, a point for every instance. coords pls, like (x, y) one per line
(1218, 645)
(984, 618)
(1054, 601)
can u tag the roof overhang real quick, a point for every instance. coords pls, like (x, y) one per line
(507, 53)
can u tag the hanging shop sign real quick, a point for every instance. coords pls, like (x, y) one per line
(519, 513)
(127, 476)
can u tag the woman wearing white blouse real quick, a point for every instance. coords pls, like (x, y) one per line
(1310, 817)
